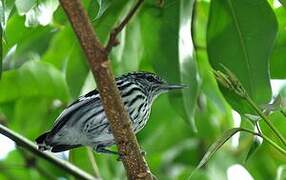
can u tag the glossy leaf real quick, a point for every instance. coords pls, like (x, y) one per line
(216, 145)
(254, 147)
(80, 158)
(103, 5)
(187, 61)
(111, 17)
(76, 70)
(243, 50)
(30, 42)
(127, 55)
(283, 2)
(170, 51)
(281, 174)
(33, 79)
(277, 61)
(58, 52)
(23, 6)
(41, 14)
(1, 49)
(34, 109)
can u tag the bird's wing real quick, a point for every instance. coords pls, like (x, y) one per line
(91, 97)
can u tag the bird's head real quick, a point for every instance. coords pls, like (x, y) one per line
(152, 84)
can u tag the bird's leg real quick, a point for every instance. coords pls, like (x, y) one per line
(102, 149)
(143, 153)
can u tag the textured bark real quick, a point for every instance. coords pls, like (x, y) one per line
(97, 56)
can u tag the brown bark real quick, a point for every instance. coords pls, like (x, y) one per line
(97, 56)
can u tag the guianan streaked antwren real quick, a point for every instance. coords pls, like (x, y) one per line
(84, 123)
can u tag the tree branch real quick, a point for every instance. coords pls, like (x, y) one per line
(115, 31)
(97, 56)
(28, 145)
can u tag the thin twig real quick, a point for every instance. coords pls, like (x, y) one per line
(28, 145)
(266, 120)
(31, 161)
(267, 139)
(92, 162)
(97, 56)
(284, 113)
(115, 31)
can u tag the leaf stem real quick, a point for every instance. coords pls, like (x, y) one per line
(267, 139)
(282, 112)
(112, 38)
(93, 162)
(266, 120)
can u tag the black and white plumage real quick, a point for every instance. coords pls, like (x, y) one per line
(83, 123)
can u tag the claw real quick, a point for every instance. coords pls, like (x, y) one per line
(143, 153)
(120, 157)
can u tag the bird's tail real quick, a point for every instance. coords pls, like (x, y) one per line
(41, 142)
(44, 143)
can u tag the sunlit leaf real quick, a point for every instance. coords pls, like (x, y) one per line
(80, 158)
(127, 55)
(216, 145)
(33, 79)
(103, 5)
(170, 51)
(42, 13)
(110, 18)
(281, 173)
(76, 70)
(253, 148)
(23, 6)
(241, 41)
(277, 61)
(1, 49)
(283, 2)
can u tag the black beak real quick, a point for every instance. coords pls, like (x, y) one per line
(173, 86)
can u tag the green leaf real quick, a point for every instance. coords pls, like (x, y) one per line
(283, 2)
(111, 17)
(76, 70)
(41, 14)
(58, 52)
(170, 51)
(240, 36)
(211, 104)
(69, 58)
(216, 145)
(277, 61)
(253, 148)
(187, 62)
(34, 79)
(280, 175)
(23, 6)
(2, 12)
(34, 109)
(30, 42)
(1, 49)
(103, 5)
(278, 120)
(14, 167)
(80, 158)
(127, 55)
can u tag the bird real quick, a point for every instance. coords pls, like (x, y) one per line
(84, 122)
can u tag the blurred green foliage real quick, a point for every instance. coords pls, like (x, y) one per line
(44, 69)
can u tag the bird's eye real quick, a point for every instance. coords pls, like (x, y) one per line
(150, 79)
